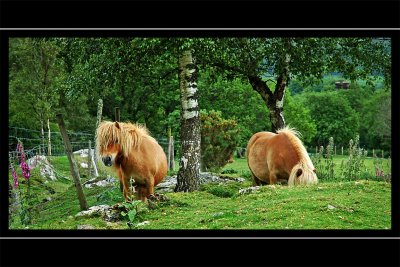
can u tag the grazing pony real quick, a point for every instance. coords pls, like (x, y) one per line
(133, 153)
(280, 156)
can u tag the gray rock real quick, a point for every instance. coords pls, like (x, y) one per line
(109, 181)
(169, 182)
(84, 165)
(249, 190)
(104, 211)
(83, 152)
(46, 169)
(85, 227)
(143, 223)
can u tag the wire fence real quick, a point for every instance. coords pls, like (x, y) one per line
(37, 201)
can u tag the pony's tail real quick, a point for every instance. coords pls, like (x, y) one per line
(300, 174)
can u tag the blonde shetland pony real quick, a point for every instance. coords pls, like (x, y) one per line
(279, 157)
(133, 153)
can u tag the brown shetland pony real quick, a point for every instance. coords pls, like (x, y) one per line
(133, 153)
(279, 157)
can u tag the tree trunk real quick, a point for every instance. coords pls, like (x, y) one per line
(274, 101)
(189, 164)
(276, 110)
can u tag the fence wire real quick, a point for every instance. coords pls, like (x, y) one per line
(42, 202)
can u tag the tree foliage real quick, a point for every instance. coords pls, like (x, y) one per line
(334, 117)
(140, 75)
(219, 139)
(35, 77)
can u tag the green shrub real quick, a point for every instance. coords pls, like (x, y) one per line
(219, 138)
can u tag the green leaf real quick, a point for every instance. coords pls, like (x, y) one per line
(132, 215)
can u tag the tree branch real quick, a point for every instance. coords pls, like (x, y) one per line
(262, 88)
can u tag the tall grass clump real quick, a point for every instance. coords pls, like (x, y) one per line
(324, 162)
(354, 167)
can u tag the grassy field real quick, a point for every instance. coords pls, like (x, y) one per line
(360, 204)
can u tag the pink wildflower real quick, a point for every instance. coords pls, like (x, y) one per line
(14, 175)
(25, 168)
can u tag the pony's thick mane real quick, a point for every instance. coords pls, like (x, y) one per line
(294, 137)
(305, 164)
(128, 135)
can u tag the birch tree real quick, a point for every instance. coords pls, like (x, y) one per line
(189, 163)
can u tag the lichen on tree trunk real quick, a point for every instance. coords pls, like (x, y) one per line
(189, 163)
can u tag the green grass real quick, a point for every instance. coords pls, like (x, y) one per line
(362, 204)
(242, 170)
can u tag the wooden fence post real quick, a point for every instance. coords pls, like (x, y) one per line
(74, 168)
(171, 156)
(90, 159)
(99, 114)
(96, 173)
(342, 151)
(118, 118)
(169, 149)
(49, 148)
(172, 161)
(117, 114)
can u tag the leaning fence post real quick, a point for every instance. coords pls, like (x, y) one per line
(74, 168)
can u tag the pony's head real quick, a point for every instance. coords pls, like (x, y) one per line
(304, 171)
(303, 174)
(108, 142)
(115, 139)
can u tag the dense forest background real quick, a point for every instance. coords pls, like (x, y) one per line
(48, 76)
